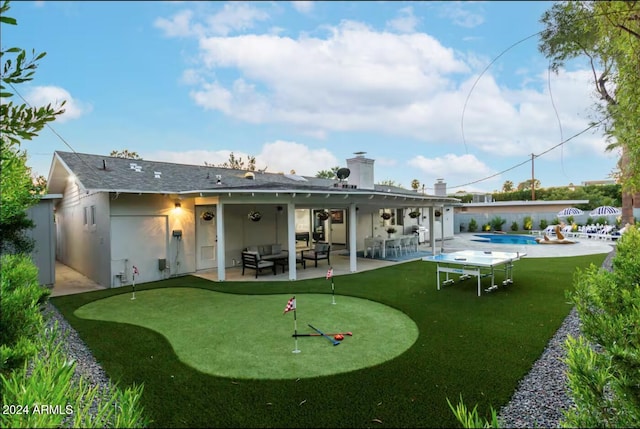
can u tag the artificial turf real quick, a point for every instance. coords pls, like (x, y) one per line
(247, 337)
(477, 347)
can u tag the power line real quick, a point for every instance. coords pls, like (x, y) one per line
(535, 156)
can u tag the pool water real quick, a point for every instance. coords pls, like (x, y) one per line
(506, 239)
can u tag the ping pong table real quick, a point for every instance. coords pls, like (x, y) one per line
(476, 263)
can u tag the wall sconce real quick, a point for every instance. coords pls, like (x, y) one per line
(178, 205)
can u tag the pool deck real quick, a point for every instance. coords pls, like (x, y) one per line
(582, 246)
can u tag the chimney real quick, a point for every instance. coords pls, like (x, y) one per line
(361, 171)
(440, 188)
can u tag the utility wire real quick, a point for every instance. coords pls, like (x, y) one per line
(535, 156)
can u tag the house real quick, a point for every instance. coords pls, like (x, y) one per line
(170, 219)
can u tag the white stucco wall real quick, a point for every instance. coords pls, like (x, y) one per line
(84, 246)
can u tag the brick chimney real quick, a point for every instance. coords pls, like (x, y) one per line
(361, 169)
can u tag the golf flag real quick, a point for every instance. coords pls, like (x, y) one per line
(291, 305)
(330, 273)
(135, 271)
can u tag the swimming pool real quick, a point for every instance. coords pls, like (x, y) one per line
(506, 239)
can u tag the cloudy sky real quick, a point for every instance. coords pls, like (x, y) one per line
(429, 90)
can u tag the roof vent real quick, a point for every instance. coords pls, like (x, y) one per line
(249, 175)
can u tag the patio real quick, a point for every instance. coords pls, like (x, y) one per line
(69, 281)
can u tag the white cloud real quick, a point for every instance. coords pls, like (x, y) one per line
(179, 25)
(456, 168)
(284, 156)
(235, 16)
(277, 157)
(43, 95)
(352, 80)
(405, 23)
(356, 78)
(460, 15)
(303, 6)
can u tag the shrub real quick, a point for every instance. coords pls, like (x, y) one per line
(486, 227)
(49, 380)
(20, 318)
(543, 223)
(604, 380)
(602, 220)
(527, 224)
(497, 222)
(514, 226)
(473, 225)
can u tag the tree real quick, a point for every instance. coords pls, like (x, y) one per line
(17, 123)
(522, 186)
(389, 182)
(125, 153)
(608, 35)
(328, 174)
(507, 186)
(237, 163)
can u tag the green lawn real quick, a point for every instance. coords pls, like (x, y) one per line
(477, 347)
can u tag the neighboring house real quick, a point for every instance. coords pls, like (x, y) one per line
(171, 219)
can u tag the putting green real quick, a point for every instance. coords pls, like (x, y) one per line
(249, 337)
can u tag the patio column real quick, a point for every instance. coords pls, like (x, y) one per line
(291, 239)
(220, 241)
(353, 245)
(432, 232)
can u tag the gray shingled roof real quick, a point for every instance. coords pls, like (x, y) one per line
(99, 172)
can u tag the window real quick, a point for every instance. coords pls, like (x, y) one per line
(93, 215)
(86, 216)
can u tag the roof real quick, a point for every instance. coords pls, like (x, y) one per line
(98, 173)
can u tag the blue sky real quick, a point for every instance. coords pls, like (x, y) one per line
(429, 90)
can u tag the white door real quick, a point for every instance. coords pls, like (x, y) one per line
(206, 242)
(138, 241)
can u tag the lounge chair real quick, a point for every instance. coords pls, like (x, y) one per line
(320, 251)
(252, 260)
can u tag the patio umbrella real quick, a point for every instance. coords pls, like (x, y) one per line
(605, 211)
(570, 211)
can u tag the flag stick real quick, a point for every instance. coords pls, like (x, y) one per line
(333, 292)
(295, 331)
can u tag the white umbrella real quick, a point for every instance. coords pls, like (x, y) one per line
(605, 211)
(570, 211)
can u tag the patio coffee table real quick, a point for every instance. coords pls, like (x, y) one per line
(284, 262)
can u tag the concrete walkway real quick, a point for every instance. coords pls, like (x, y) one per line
(68, 281)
